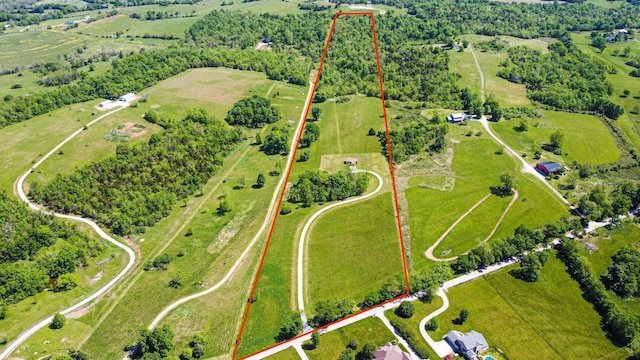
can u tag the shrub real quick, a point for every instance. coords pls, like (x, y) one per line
(58, 322)
(372, 132)
(405, 310)
(66, 282)
(416, 344)
(285, 210)
(161, 262)
(432, 325)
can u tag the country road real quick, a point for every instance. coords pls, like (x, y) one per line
(526, 168)
(13, 345)
(303, 238)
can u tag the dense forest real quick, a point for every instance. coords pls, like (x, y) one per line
(320, 186)
(566, 78)
(35, 248)
(138, 186)
(412, 70)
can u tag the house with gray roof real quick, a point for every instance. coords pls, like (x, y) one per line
(468, 345)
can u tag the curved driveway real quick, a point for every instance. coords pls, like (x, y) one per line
(132, 256)
(303, 237)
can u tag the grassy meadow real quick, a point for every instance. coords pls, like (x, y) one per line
(216, 242)
(343, 132)
(476, 167)
(31, 310)
(516, 316)
(347, 250)
(608, 242)
(586, 139)
(621, 81)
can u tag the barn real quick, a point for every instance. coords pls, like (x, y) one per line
(549, 167)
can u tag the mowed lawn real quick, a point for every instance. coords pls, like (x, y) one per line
(370, 330)
(475, 227)
(547, 319)
(586, 139)
(352, 250)
(477, 167)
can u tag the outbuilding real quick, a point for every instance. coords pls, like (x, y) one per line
(549, 168)
(456, 118)
(351, 161)
(127, 97)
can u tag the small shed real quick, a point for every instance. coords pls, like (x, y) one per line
(549, 167)
(351, 161)
(105, 104)
(127, 97)
(456, 118)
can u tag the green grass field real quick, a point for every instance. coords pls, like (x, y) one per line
(343, 129)
(349, 254)
(530, 320)
(475, 228)
(630, 123)
(476, 168)
(370, 330)
(586, 138)
(217, 241)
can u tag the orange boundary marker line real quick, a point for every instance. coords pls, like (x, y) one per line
(393, 182)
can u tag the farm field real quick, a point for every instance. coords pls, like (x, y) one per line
(621, 81)
(586, 139)
(475, 167)
(530, 312)
(208, 251)
(370, 330)
(35, 308)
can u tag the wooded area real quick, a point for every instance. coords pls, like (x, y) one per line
(139, 185)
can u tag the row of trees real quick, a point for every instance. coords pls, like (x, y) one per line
(144, 69)
(138, 186)
(320, 186)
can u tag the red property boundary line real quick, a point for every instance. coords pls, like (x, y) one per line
(292, 159)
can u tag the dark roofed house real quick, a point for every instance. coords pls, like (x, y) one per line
(468, 345)
(549, 167)
(390, 352)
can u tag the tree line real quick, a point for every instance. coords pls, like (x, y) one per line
(146, 68)
(138, 186)
(320, 186)
(37, 248)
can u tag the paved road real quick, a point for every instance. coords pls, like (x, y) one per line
(303, 238)
(13, 345)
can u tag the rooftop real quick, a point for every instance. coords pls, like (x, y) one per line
(390, 352)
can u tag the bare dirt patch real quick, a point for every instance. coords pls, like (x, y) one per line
(126, 131)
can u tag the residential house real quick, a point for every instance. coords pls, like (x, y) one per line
(390, 352)
(468, 345)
